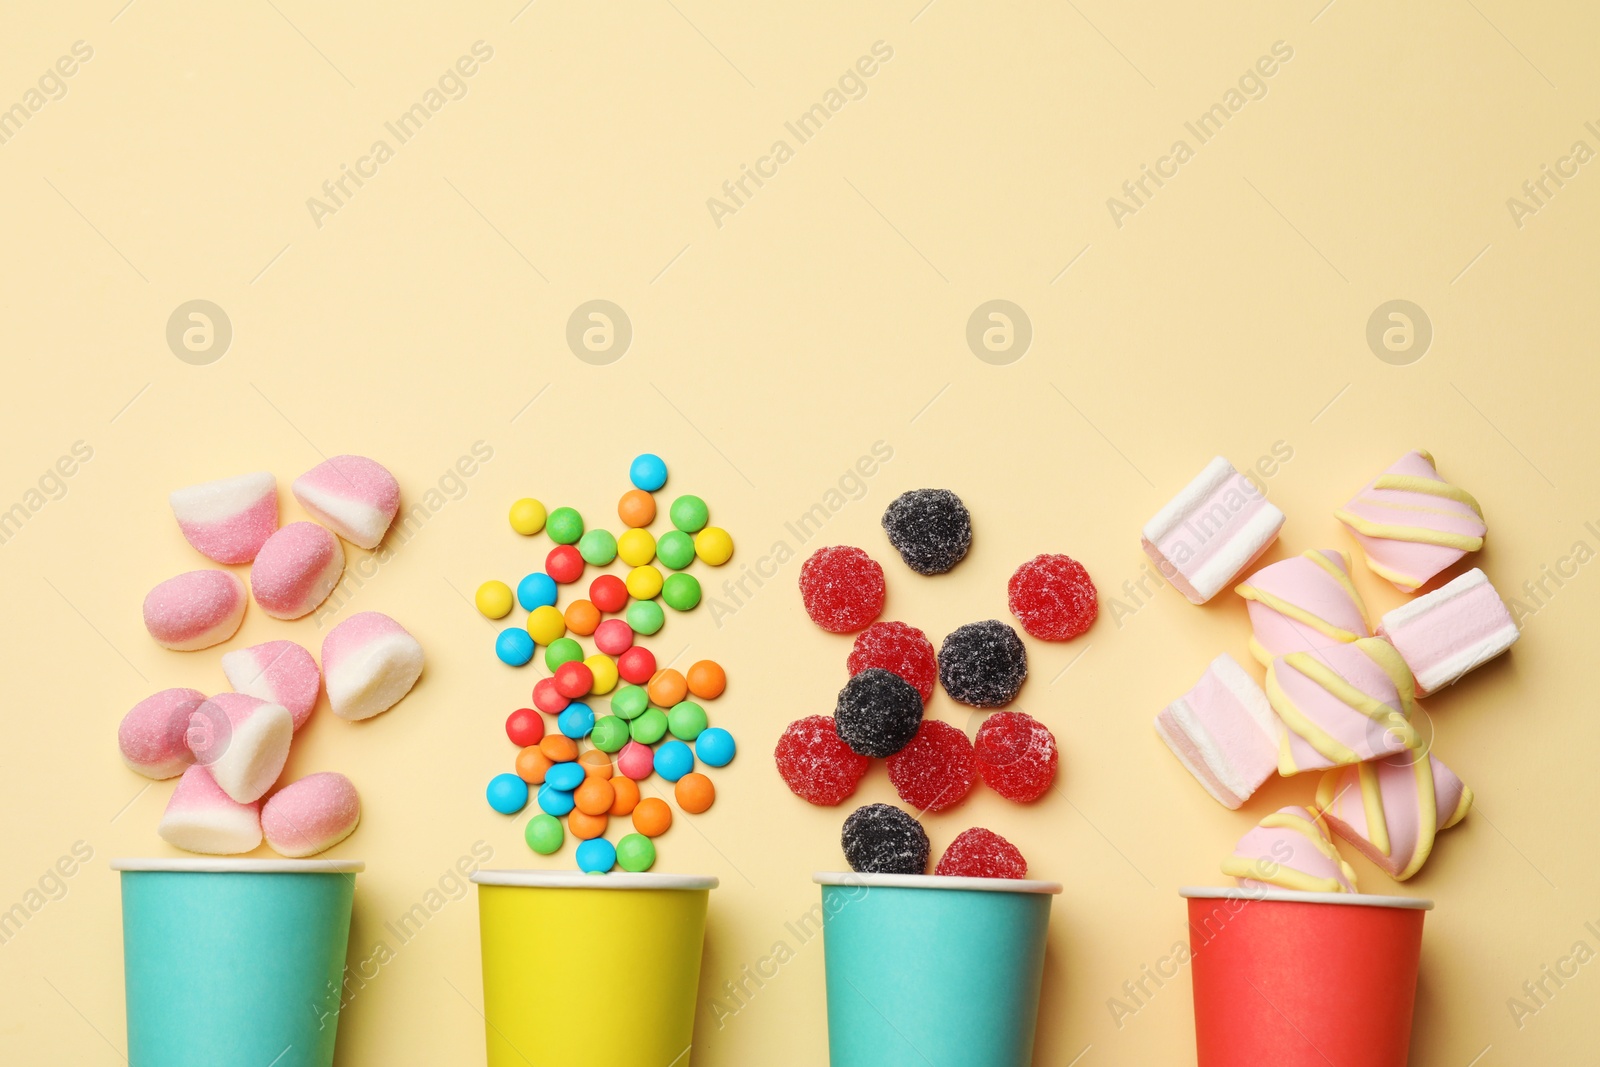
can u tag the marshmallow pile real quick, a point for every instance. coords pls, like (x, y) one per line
(229, 750)
(1340, 694)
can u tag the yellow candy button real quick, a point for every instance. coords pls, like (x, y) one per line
(713, 546)
(527, 517)
(636, 547)
(604, 669)
(546, 624)
(494, 599)
(644, 583)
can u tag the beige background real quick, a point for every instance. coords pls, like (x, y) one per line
(828, 313)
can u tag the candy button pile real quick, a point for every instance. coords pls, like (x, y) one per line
(619, 720)
(894, 673)
(228, 751)
(1340, 695)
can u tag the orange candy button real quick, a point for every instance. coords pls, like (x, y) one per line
(531, 765)
(559, 748)
(667, 688)
(637, 508)
(596, 764)
(582, 617)
(586, 827)
(694, 792)
(707, 679)
(594, 796)
(652, 817)
(627, 796)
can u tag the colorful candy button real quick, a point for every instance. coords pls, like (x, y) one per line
(564, 564)
(597, 547)
(554, 801)
(544, 834)
(602, 673)
(648, 472)
(525, 727)
(686, 720)
(681, 592)
(649, 727)
(507, 794)
(565, 526)
(596, 856)
(597, 764)
(559, 748)
(715, 747)
(532, 765)
(564, 650)
(494, 599)
(513, 646)
(675, 549)
(546, 699)
(644, 583)
(575, 721)
(636, 761)
(636, 509)
(688, 513)
(586, 827)
(694, 793)
(674, 759)
(636, 665)
(594, 796)
(627, 796)
(527, 516)
(574, 679)
(636, 547)
(545, 624)
(636, 852)
(706, 679)
(714, 546)
(652, 817)
(668, 687)
(565, 776)
(582, 617)
(610, 733)
(608, 593)
(613, 637)
(646, 617)
(629, 702)
(536, 590)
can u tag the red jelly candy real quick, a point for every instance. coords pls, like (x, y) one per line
(936, 769)
(817, 766)
(842, 588)
(524, 727)
(1016, 755)
(564, 564)
(896, 647)
(608, 593)
(637, 665)
(547, 699)
(1053, 597)
(980, 853)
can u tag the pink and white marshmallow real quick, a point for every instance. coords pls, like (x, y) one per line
(1392, 809)
(1224, 732)
(279, 672)
(369, 662)
(296, 570)
(1290, 849)
(1457, 627)
(195, 610)
(228, 520)
(153, 736)
(242, 741)
(1301, 603)
(354, 496)
(311, 815)
(1342, 704)
(200, 817)
(1210, 532)
(1411, 523)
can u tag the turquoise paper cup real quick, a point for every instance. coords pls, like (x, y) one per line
(234, 961)
(926, 971)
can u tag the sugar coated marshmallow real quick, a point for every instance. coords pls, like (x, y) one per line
(1211, 531)
(1411, 523)
(195, 610)
(353, 496)
(1290, 849)
(200, 817)
(1461, 625)
(228, 520)
(1342, 704)
(243, 741)
(311, 815)
(1391, 809)
(1224, 732)
(153, 735)
(1301, 603)
(279, 672)
(369, 662)
(296, 570)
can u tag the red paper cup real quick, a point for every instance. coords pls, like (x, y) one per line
(1303, 979)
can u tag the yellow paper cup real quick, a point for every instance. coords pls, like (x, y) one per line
(555, 945)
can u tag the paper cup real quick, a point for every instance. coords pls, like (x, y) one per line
(234, 961)
(1303, 979)
(927, 971)
(557, 943)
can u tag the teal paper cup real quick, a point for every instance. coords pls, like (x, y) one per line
(926, 971)
(234, 961)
